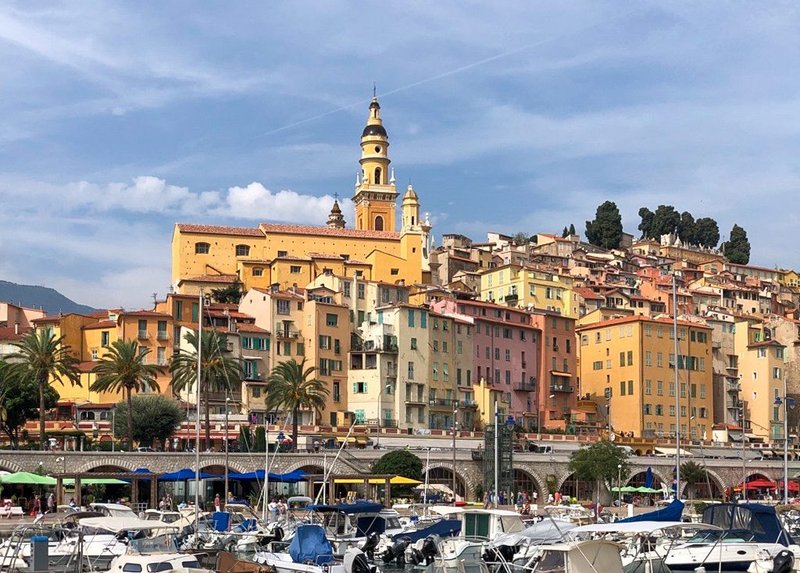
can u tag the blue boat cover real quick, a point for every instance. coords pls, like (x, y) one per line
(442, 528)
(670, 513)
(749, 521)
(349, 508)
(221, 520)
(310, 544)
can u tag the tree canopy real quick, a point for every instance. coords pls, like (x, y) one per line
(599, 462)
(606, 229)
(702, 232)
(737, 248)
(399, 462)
(155, 417)
(20, 401)
(230, 294)
(706, 232)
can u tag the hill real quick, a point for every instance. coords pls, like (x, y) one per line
(40, 297)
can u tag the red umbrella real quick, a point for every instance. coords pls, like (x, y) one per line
(760, 484)
(793, 485)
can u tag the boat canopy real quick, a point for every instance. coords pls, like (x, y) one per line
(748, 520)
(635, 526)
(349, 508)
(547, 531)
(290, 477)
(117, 524)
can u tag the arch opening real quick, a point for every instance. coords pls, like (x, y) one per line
(444, 476)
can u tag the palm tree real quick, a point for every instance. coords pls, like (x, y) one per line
(217, 371)
(291, 387)
(124, 368)
(693, 473)
(41, 356)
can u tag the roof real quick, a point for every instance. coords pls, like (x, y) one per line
(326, 231)
(251, 328)
(637, 318)
(7, 333)
(221, 279)
(219, 230)
(152, 313)
(587, 293)
(101, 324)
(764, 343)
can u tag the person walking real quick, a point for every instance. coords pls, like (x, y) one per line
(217, 503)
(51, 503)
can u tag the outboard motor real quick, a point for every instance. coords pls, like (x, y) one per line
(277, 533)
(397, 551)
(430, 548)
(783, 562)
(370, 544)
(356, 562)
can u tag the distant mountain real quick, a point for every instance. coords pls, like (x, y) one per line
(31, 296)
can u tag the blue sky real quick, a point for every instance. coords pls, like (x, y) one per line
(119, 119)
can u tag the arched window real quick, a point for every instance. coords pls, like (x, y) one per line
(379, 223)
(201, 248)
(412, 219)
(378, 175)
(242, 250)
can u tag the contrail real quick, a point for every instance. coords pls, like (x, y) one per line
(454, 71)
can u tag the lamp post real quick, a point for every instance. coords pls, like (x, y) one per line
(677, 387)
(619, 487)
(785, 403)
(227, 408)
(113, 433)
(455, 425)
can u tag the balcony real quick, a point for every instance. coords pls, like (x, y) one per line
(162, 335)
(288, 333)
(469, 404)
(416, 400)
(381, 423)
(440, 403)
(561, 388)
(525, 387)
(143, 335)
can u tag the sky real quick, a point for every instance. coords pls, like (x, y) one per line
(120, 119)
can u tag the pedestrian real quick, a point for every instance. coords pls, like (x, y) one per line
(37, 506)
(217, 503)
(162, 504)
(273, 509)
(51, 503)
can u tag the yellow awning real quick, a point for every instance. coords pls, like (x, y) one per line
(396, 480)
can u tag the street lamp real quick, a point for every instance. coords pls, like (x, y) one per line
(113, 432)
(455, 425)
(619, 487)
(227, 408)
(785, 403)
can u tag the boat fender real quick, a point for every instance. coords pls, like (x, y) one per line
(783, 562)
(355, 561)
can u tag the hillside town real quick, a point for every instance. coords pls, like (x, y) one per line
(417, 333)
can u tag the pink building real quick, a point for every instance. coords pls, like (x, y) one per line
(558, 373)
(506, 355)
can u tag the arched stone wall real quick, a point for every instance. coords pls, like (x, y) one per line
(117, 462)
(220, 461)
(8, 465)
(538, 479)
(467, 476)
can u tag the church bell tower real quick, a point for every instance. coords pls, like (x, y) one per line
(375, 196)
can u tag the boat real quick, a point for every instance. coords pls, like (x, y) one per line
(349, 525)
(590, 556)
(741, 534)
(152, 554)
(310, 551)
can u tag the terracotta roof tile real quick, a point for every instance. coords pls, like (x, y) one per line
(327, 231)
(153, 313)
(101, 324)
(221, 279)
(220, 230)
(251, 328)
(7, 333)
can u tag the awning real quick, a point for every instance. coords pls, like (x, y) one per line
(352, 439)
(735, 436)
(396, 480)
(672, 452)
(562, 374)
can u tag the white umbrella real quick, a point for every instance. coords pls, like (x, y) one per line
(440, 487)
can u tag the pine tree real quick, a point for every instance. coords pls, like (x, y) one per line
(737, 248)
(606, 229)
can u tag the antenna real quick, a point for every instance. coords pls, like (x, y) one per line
(374, 89)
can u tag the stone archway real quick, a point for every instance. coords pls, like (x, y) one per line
(463, 474)
(121, 463)
(9, 466)
(569, 486)
(233, 466)
(444, 476)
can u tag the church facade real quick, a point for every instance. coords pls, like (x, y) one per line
(290, 255)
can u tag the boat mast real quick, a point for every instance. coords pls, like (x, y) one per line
(197, 419)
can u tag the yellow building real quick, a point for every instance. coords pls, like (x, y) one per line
(529, 287)
(626, 368)
(762, 372)
(215, 256)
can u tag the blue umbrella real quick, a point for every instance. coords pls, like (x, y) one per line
(648, 477)
(184, 475)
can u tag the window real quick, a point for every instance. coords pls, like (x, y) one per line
(622, 359)
(359, 387)
(435, 370)
(283, 253)
(762, 352)
(508, 355)
(201, 248)
(295, 269)
(597, 365)
(584, 340)
(776, 373)
(444, 346)
(346, 289)
(411, 318)
(672, 389)
(630, 387)
(337, 393)
(258, 271)
(445, 372)
(242, 250)
(508, 376)
(630, 357)
(436, 345)
(648, 387)
(659, 410)
(395, 272)
(360, 291)
(568, 346)
(622, 387)
(301, 348)
(324, 342)
(410, 370)
(142, 329)
(331, 320)
(413, 344)
(459, 347)
(423, 319)
(648, 358)
(178, 309)
(647, 409)
(660, 359)
(779, 352)
(104, 337)
(660, 387)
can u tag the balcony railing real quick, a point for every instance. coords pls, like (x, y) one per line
(525, 387)
(415, 400)
(143, 335)
(443, 403)
(288, 333)
(469, 404)
(162, 335)
(381, 423)
(561, 388)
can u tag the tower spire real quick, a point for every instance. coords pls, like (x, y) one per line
(374, 89)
